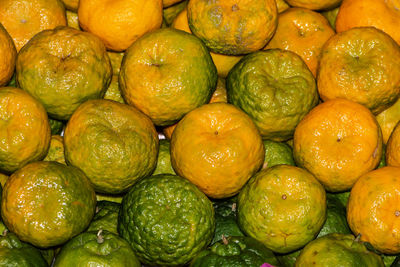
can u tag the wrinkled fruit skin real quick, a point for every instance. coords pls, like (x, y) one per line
(167, 220)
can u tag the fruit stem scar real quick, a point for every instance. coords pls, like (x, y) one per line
(100, 238)
(224, 240)
(235, 7)
(284, 197)
(397, 213)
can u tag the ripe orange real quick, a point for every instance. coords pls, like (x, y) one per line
(233, 27)
(315, 4)
(8, 55)
(393, 147)
(119, 23)
(25, 18)
(338, 141)
(24, 129)
(388, 119)
(218, 148)
(373, 209)
(362, 65)
(304, 32)
(382, 14)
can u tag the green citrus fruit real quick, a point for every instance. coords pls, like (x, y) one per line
(63, 68)
(114, 144)
(337, 250)
(24, 129)
(336, 221)
(277, 153)
(47, 203)
(56, 149)
(166, 219)
(233, 252)
(225, 219)
(13, 252)
(113, 198)
(106, 217)
(164, 158)
(275, 88)
(284, 207)
(160, 82)
(97, 248)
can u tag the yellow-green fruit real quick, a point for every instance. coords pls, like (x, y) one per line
(114, 144)
(63, 68)
(284, 207)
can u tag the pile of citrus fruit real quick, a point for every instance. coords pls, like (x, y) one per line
(200, 133)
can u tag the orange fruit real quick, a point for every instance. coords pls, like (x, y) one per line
(160, 82)
(3, 179)
(47, 203)
(8, 55)
(362, 65)
(219, 95)
(24, 129)
(373, 210)
(284, 207)
(315, 4)
(275, 88)
(393, 147)
(114, 144)
(338, 141)
(381, 14)
(388, 119)
(25, 18)
(304, 32)
(169, 13)
(218, 148)
(63, 68)
(119, 23)
(223, 63)
(233, 27)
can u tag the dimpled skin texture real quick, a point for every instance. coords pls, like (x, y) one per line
(157, 75)
(283, 207)
(24, 129)
(393, 147)
(47, 203)
(315, 4)
(25, 18)
(233, 27)
(8, 55)
(338, 141)
(361, 65)
(275, 88)
(63, 68)
(113, 144)
(373, 209)
(167, 220)
(337, 250)
(218, 148)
